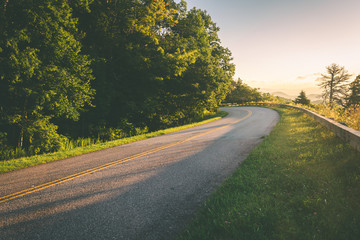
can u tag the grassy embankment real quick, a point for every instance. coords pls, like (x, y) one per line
(87, 147)
(301, 182)
(350, 116)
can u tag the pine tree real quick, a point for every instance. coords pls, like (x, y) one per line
(354, 96)
(302, 99)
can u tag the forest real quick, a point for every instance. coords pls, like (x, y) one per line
(104, 69)
(101, 70)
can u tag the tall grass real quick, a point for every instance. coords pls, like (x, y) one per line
(80, 142)
(69, 144)
(301, 182)
(349, 116)
(103, 135)
(9, 153)
(86, 145)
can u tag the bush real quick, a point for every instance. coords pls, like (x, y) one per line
(43, 137)
(124, 129)
(352, 116)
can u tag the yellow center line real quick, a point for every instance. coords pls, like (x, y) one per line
(107, 165)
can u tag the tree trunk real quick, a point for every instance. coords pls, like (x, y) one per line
(331, 91)
(21, 137)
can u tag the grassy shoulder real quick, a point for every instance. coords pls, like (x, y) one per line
(301, 182)
(19, 163)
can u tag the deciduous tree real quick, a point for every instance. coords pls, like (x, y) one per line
(155, 64)
(242, 93)
(43, 74)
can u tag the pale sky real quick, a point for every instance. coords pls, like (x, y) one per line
(284, 45)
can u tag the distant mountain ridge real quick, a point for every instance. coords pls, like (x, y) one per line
(284, 95)
(314, 98)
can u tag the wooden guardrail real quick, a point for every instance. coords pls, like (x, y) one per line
(348, 134)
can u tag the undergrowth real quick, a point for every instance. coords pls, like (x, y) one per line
(86, 145)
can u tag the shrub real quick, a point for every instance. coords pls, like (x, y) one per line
(43, 137)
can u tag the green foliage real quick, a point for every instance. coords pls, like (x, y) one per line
(241, 93)
(156, 64)
(343, 100)
(354, 95)
(267, 97)
(82, 146)
(43, 137)
(302, 99)
(349, 116)
(124, 129)
(104, 69)
(301, 182)
(43, 73)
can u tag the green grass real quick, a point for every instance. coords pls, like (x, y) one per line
(301, 182)
(19, 163)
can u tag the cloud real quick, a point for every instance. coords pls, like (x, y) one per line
(308, 76)
(301, 78)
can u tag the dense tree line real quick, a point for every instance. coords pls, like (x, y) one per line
(105, 69)
(241, 93)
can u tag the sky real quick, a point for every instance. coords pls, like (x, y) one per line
(285, 45)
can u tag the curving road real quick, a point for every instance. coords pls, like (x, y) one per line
(144, 190)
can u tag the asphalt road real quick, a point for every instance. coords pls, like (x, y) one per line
(144, 190)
